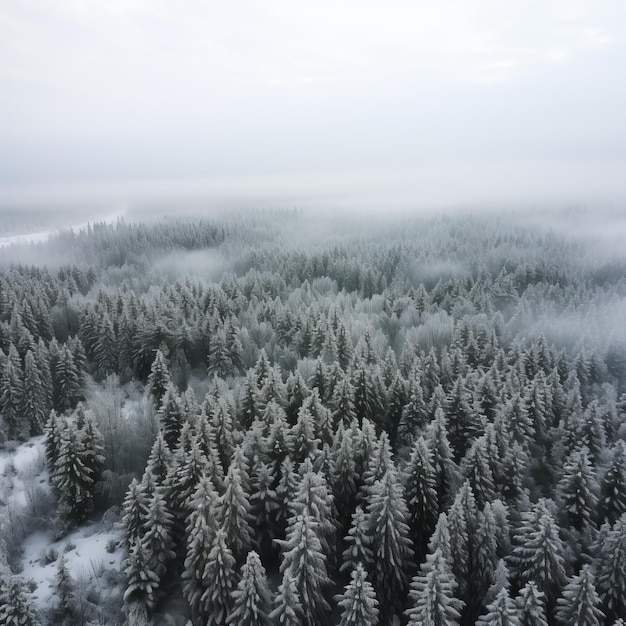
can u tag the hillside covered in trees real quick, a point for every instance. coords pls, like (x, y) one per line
(291, 420)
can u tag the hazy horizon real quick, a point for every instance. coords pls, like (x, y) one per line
(337, 105)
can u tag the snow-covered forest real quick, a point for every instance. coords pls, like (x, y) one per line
(273, 418)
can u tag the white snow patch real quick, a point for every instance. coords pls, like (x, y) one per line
(87, 555)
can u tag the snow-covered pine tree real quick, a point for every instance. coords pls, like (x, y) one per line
(201, 528)
(579, 602)
(15, 608)
(531, 608)
(386, 526)
(251, 598)
(235, 516)
(219, 578)
(358, 603)
(304, 562)
(432, 597)
(421, 496)
(159, 379)
(501, 612)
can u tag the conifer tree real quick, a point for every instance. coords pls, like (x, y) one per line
(613, 486)
(579, 602)
(200, 534)
(263, 506)
(358, 603)
(171, 417)
(304, 562)
(251, 599)
(531, 609)
(386, 525)
(142, 582)
(538, 552)
(73, 477)
(287, 609)
(578, 489)
(219, 577)
(34, 406)
(64, 612)
(421, 495)
(501, 612)
(611, 570)
(359, 548)
(432, 597)
(15, 609)
(11, 388)
(159, 379)
(134, 513)
(235, 516)
(158, 540)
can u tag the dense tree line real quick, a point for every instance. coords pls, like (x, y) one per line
(389, 427)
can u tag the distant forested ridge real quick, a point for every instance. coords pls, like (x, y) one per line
(412, 421)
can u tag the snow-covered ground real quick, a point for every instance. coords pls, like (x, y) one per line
(93, 555)
(41, 236)
(93, 552)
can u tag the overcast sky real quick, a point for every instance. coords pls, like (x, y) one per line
(411, 102)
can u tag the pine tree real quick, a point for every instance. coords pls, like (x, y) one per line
(67, 379)
(531, 609)
(501, 612)
(54, 428)
(15, 608)
(578, 490)
(421, 495)
(34, 406)
(287, 609)
(159, 380)
(134, 512)
(304, 562)
(219, 577)
(73, 477)
(142, 581)
(386, 525)
(65, 610)
(432, 597)
(251, 599)
(358, 603)
(263, 506)
(11, 393)
(235, 516)
(611, 570)
(359, 549)
(538, 552)
(158, 540)
(171, 417)
(200, 533)
(579, 602)
(613, 486)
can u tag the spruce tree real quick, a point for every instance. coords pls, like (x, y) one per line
(420, 494)
(219, 577)
(304, 562)
(432, 597)
(531, 608)
(201, 528)
(386, 525)
(251, 599)
(15, 608)
(578, 490)
(287, 609)
(579, 602)
(158, 540)
(358, 603)
(159, 379)
(613, 486)
(235, 516)
(611, 570)
(142, 581)
(501, 612)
